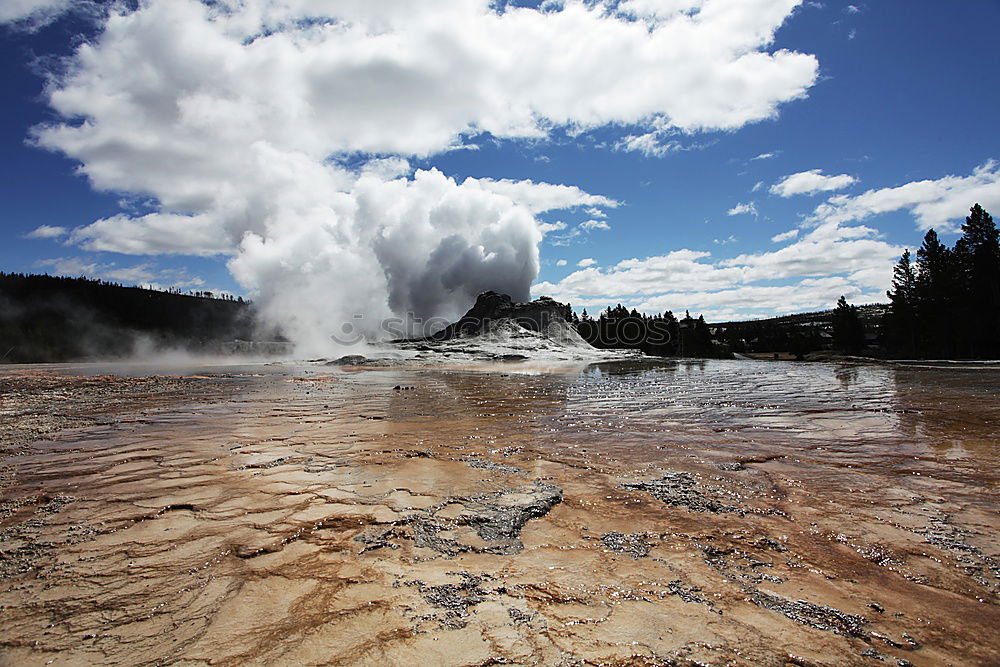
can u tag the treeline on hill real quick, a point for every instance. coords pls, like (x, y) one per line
(848, 328)
(48, 319)
(946, 304)
(659, 335)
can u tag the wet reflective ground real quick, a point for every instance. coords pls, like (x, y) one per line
(626, 513)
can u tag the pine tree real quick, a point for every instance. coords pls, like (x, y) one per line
(848, 332)
(977, 256)
(902, 324)
(937, 291)
(702, 337)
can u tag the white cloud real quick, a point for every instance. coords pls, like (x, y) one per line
(237, 118)
(650, 144)
(785, 236)
(742, 302)
(853, 9)
(561, 262)
(415, 89)
(46, 232)
(827, 262)
(549, 227)
(145, 274)
(581, 231)
(563, 240)
(757, 186)
(810, 182)
(31, 10)
(683, 269)
(765, 156)
(729, 239)
(584, 263)
(388, 168)
(749, 208)
(937, 203)
(827, 250)
(659, 9)
(596, 213)
(541, 197)
(156, 234)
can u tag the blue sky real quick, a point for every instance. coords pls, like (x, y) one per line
(677, 184)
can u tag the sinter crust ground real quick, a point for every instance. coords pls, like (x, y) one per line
(436, 516)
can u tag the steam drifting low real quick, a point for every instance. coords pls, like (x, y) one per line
(240, 125)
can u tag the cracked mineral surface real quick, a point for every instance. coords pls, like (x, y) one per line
(627, 513)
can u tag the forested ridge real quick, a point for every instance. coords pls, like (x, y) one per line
(48, 318)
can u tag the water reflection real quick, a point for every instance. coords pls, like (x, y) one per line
(858, 415)
(871, 413)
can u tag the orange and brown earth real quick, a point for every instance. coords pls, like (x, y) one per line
(630, 513)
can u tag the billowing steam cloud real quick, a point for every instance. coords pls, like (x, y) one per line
(235, 120)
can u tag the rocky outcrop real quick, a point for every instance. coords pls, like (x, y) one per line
(492, 308)
(497, 329)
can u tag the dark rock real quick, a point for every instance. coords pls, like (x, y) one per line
(420, 453)
(687, 593)
(813, 615)
(361, 360)
(425, 535)
(680, 489)
(502, 357)
(519, 617)
(496, 517)
(500, 516)
(983, 568)
(715, 556)
(507, 451)
(455, 599)
(771, 543)
(379, 537)
(632, 544)
(348, 360)
(498, 467)
(21, 545)
(491, 308)
(888, 640)
(266, 465)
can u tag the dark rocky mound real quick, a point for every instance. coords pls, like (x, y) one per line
(498, 329)
(492, 308)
